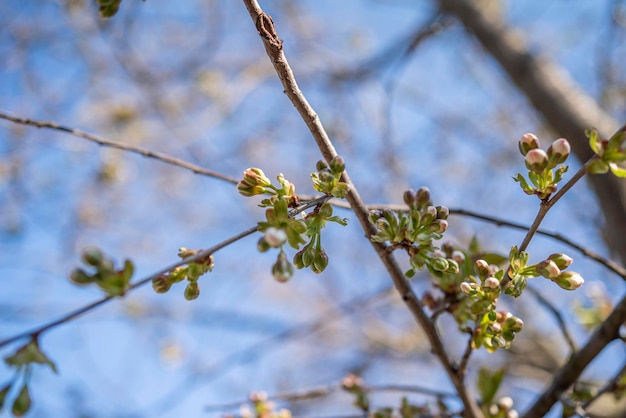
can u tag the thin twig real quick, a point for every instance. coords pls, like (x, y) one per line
(544, 208)
(119, 145)
(34, 333)
(273, 47)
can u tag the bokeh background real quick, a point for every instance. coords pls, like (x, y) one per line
(191, 79)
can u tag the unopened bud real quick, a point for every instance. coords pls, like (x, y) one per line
(337, 165)
(458, 256)
(440, 264)
(422, 197)
(548, 269)
(465, 288)
(275, 237)
(92, 256)
(536, 160)
(492, 283)
(409, 198)
(569, 280)
(562, 261)
(442, 212)
(282, 270)
(559, 151)
(192, 291)
(439, 226)
(428, 216)
(528, 142)
(482, 269)
(80, 277)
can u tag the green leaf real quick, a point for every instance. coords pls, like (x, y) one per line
(488, 384)
(597, 167)
(594, 140)
(617, 170)
(27, 354)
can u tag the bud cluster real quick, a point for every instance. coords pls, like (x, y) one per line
(327, 179)
(263, 408)
(542, 165)
(190, 272)
(551, 268)
(414, 231)
(280, 227)
(255, 183)
(503, 408)
(113, 281)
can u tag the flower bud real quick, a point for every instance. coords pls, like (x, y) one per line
(422, 197)
(514, 324)
(337, 165)
(439, 226)
(275, 237)
(528, 142)
(161, 284)
(468, 288)
(255, 177)
(453, 267)
(92, 256)
(492, 283)
(536, 160)
(321, 165)
(562, 261)
(569, 280)
(262, 245)
(282, 270)
(442, 212)
(80, 277)
(192, 291)
(482, 269)
(548, 269)
(458, 256)
(428, 215)
(559, 151)
(409, 198)
(320, 261)
(440, 264)
(505, 403)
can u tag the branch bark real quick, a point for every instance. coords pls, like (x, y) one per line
(274, 49)
(566, 109)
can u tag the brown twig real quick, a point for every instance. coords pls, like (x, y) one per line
(119, 145)
(291, 89)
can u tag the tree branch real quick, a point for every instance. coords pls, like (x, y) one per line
(273, 47)
(119, 145)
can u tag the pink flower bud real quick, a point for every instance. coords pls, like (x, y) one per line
(562, 261)
(275, 237)
(528, 142)
(482, 269)
(569, 280)
(492, 283)
(548, 268)
(559, 151)
(536, 160)
(465, 288)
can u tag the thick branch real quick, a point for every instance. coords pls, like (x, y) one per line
(570, 371)
(273, 47)
(565, 107)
